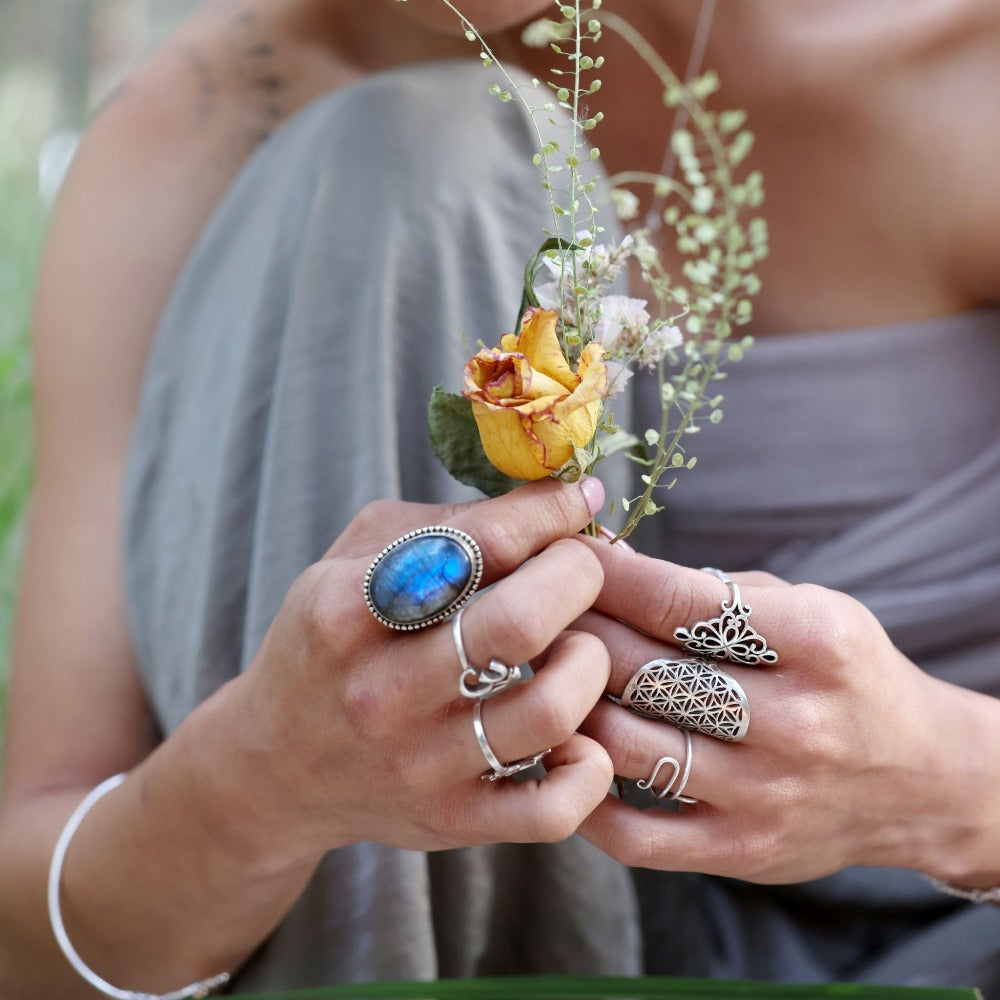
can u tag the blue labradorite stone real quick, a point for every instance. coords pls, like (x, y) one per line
(420, 578)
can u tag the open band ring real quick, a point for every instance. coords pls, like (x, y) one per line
(730, 636)
(476, 683)
(423, 577)
(668, 791)
(689, 694)
(497, 769)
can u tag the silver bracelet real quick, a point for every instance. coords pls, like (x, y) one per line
(975, 895)
(197, 990)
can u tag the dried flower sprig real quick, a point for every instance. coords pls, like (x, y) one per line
(537, 404)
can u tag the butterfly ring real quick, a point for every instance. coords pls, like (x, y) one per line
(730, 636)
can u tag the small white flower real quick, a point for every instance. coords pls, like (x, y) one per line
(618, 375)
(549, 295)
(622, 324)
(626, 203)
(658, 341)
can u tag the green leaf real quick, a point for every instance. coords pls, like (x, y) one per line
(615, 988)
(455, 440)
(615, 441)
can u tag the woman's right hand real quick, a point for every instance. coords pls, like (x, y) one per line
(354, 731)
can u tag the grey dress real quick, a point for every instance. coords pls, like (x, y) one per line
(355, 264)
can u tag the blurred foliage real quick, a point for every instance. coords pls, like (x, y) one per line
(58, 58)
(22, 216)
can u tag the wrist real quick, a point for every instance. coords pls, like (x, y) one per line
(238, 798)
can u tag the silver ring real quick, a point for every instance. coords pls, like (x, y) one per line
(423, 577)
(730, 636)
(668, 791)
(499, 770)
(475, 683)
(689, 694)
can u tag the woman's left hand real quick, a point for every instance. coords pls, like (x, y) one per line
(853, 755)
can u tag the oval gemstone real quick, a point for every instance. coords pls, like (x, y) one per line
(420, 579)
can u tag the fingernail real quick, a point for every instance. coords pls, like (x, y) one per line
(593, 492)
(608, 534)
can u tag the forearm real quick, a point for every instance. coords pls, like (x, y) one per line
(176, 875)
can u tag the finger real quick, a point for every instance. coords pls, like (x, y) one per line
(545, 811)
(544, 712)
(518, 618)
(636, 744)
(630, 650)
(667, 841)
(508, 529)
(513, 622)
(658, 597)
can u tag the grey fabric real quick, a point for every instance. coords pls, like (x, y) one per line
(867, 461)
(287, 387)
(354, 265)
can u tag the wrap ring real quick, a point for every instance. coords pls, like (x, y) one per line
(689, 694)
(668, 791)
(423, 577)
(476, 683)
(730, 636)
(497, 769)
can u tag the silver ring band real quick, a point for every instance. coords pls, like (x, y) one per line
(498, 769)
(475, 683)
(730, 636)
(668, 791)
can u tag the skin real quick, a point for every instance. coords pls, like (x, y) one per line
(841, 94)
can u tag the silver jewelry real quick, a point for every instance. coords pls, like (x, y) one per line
(499, 770)
(668, 791)
(197, 990)
(475, 683)
(730, 636)
(973, 895)
(423, 577)
(689, 694)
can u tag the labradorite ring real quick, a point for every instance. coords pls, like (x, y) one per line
(423, 577)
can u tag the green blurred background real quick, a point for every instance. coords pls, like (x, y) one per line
(58, 59)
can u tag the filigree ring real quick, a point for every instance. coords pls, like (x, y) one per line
(689, 694)
(730, 636)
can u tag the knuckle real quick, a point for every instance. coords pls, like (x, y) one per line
(556, 822)
(554, 718)
(364, 708)
(323, 613)
(584, 568)
(674, 605)
(624, 743)
(636, 850)
(373, 517)
(522, 631)
(501, 541)
(829, 621)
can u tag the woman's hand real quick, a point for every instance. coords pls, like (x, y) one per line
(358, 732)
(853, 755)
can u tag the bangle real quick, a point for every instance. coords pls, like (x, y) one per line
(974, 895)
(197, 990)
